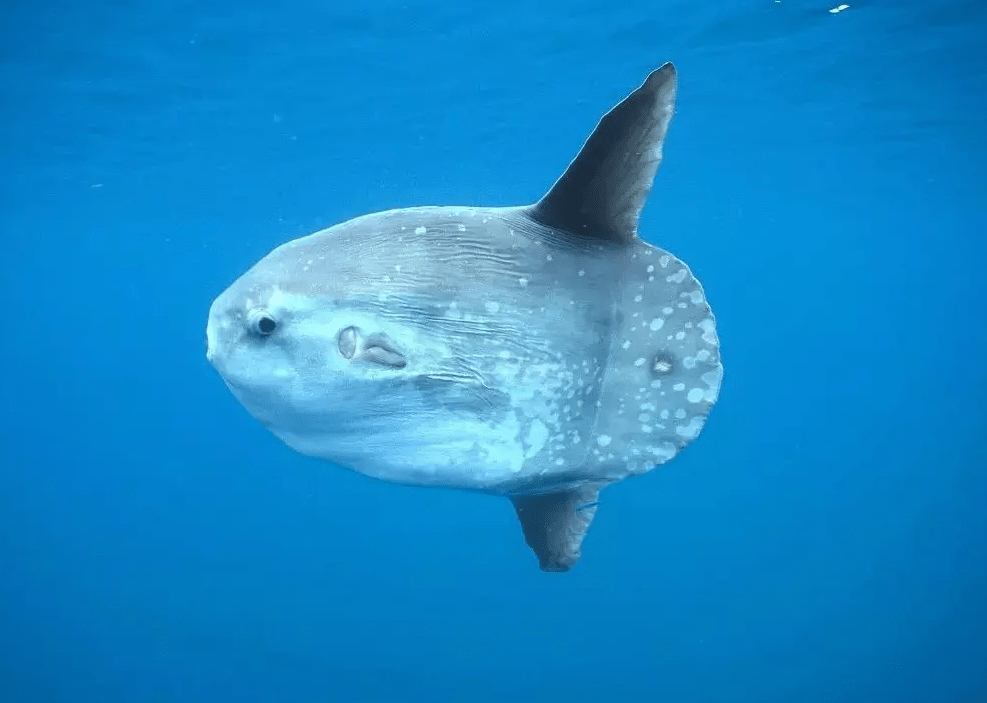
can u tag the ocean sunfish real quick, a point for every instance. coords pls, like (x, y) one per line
(539, 352)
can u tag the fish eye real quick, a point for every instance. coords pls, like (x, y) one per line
(262, 323)
(266, 325)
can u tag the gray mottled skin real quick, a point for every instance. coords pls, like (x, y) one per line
(537, 352)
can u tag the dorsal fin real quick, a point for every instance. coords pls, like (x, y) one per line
(603, 190)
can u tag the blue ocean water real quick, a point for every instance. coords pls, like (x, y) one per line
(825, 539)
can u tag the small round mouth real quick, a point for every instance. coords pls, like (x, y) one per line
(216, 358)
(212, 341)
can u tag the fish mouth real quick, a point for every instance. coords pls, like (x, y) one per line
(215, 359)
(214, 342)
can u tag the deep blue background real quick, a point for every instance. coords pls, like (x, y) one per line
(824, 540)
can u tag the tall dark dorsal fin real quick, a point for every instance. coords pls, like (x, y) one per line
(555, 524)
(603, 190)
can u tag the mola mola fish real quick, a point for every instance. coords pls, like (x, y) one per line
(540, 352)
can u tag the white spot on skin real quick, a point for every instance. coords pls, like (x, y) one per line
(461, 228)
(664, 260)
(537, 436)
(420, 230)
(663, 452)
(581, 272)
(523, 281)
(712, 379)
(676, 277)
(651, 269)
(667, 311)
(626, 344)
(657, 324)
(696, 297)
(695, 395)
(678, 387)
(638, 298)
(492, 307)
(680, 335)
(639, 362)
(691, 430)
(680, 414)
(604, 440)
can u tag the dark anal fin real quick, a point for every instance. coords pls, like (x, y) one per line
(602, 192)
(555, 524)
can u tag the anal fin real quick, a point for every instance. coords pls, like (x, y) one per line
(555, 524)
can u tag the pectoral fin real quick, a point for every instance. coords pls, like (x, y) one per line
(555, 524)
